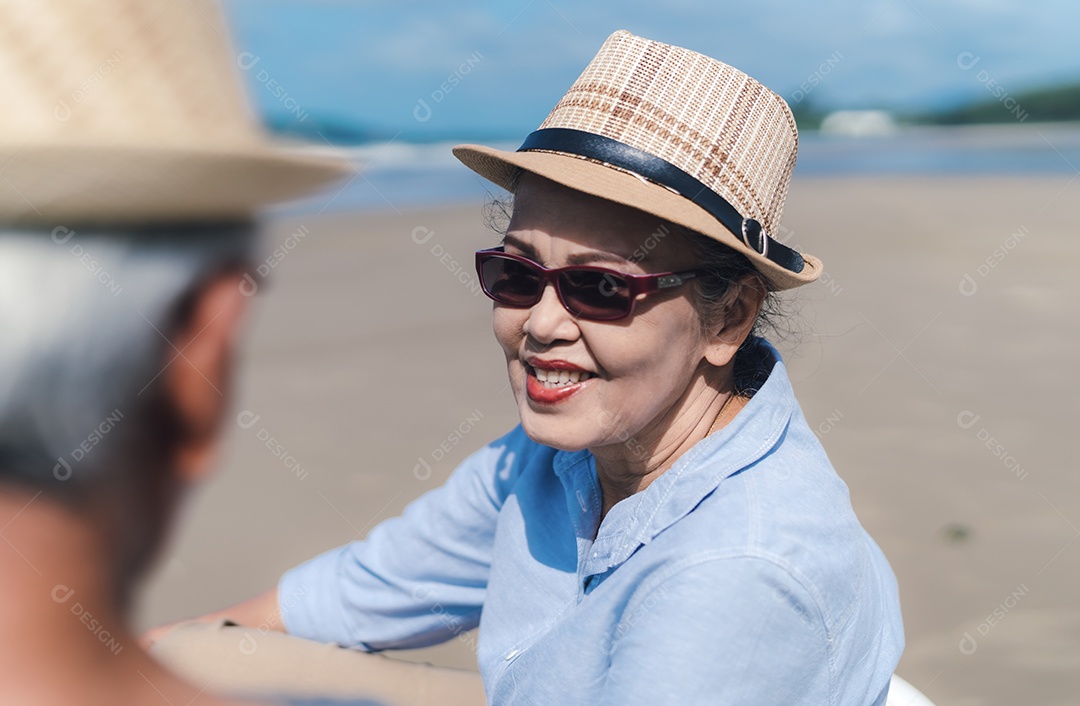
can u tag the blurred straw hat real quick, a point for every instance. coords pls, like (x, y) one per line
(676, 134)
(133, 111)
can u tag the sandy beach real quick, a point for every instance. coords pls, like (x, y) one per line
(932, 359)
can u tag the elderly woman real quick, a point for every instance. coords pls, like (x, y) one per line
(663, 526)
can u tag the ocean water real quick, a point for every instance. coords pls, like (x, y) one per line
(399, 176)
(984, 149)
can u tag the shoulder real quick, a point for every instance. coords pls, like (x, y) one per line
(781, 534)
(759, 630)
(792, 510)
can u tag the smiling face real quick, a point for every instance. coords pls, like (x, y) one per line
(642, 381)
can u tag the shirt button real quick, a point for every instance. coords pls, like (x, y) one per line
(511, 654)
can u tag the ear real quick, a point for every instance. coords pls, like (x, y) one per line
(197, 381)
(734, 319)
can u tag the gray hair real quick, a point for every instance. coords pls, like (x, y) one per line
(86, 316)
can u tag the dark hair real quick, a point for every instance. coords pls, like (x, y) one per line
(726, 268)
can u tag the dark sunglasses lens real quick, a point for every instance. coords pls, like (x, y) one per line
(595, 295)
(511, 282)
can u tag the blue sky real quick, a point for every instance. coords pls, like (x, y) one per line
(371, 63)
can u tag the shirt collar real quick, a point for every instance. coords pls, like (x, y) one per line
(744, 441)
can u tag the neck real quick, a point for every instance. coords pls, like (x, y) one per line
(61, 613)
(631, 466)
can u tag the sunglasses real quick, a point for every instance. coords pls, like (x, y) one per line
(592, 293)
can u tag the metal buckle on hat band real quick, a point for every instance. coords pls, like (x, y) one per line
(751, 226)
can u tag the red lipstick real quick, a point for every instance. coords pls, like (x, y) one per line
(545, 394)
(554, 365)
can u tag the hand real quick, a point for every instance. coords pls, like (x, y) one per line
(262, 610)
(148, 638)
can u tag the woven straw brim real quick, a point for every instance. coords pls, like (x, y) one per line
(97, 183)
(619, 186)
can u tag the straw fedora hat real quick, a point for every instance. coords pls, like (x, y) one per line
(676, 134)
(122, 111)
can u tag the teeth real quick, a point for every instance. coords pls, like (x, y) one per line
(560, 378)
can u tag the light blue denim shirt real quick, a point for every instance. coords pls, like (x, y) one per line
(739, 576)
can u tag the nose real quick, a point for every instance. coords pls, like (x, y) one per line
(549, 321)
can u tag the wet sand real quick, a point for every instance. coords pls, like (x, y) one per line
(932, 359)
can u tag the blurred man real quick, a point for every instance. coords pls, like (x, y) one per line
(130, 167)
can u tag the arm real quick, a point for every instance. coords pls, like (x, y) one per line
(417, 579)
(260, 611)
(734, 631)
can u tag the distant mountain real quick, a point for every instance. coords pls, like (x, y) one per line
(808, 114)
(340, 130)
(1049, 104)
(1058, 103)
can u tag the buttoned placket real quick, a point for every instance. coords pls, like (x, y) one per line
(602, 544)
(577, 472)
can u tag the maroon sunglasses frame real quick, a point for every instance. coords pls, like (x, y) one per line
(636, 284)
